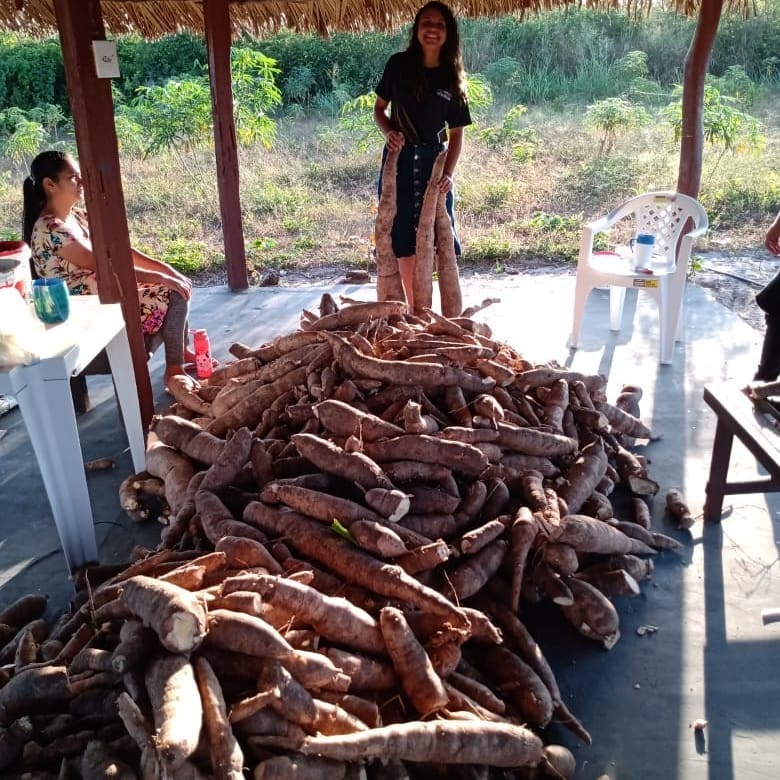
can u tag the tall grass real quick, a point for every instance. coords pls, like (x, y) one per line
(311, 199)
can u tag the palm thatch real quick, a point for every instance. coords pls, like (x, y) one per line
(156, 18)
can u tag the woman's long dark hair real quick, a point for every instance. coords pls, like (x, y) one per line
(451, 58)
(47, 165)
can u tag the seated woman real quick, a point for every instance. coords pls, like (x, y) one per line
(57, 231)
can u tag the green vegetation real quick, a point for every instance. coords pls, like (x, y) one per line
(574, 111)
(613, 117)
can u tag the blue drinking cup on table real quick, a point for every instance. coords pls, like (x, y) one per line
(51, 300)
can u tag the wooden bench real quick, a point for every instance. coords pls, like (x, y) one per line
(737, 417)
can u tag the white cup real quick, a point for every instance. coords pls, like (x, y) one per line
(642, 246)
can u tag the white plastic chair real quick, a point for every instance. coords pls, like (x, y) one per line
(665, 215)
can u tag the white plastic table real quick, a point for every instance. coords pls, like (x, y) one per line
(42, 390)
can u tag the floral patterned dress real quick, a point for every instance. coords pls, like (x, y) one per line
(50, 234)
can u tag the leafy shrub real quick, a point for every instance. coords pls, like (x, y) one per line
(305, 243)
(129, 133)
(177, 114)
(299, 84)
(490, 248)
(751, 42)
(174, 115)
(509, 132)
(185, 255)
(479, 94)
(272, 198)
(553, 235)
(49, 115)
(724, 124)
(612, 117)
(10, 118)
(33, 72)
(730, 205)
(632, 65)
(485, 196)
(526, 146)
(496, 195)
(145, 63)
(502, 75)
(357, 119)
(647, 91)
(24, 142)
(255, 96)
(331, 103)
(737, 84)
(602, 180)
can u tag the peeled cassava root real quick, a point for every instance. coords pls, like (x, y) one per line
(361, 514)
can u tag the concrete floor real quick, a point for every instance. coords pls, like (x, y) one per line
(711, 657)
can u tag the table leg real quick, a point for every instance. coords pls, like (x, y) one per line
(47, 410)
(121, 363)
(719, 470)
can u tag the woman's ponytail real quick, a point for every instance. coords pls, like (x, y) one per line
(47, 165)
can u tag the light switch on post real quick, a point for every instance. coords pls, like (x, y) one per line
(106, 60)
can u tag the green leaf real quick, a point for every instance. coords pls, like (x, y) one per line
(338, 528)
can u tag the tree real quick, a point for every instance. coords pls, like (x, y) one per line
(695, 71)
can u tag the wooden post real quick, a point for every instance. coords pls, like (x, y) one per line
(216, 16)
(80, 22)
(695, 70)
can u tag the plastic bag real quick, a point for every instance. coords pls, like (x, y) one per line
(20, 329)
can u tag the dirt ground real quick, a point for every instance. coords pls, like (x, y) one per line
(733, 277)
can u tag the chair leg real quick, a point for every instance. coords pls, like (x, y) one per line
(581, 292)
(617, 297)
(670, 306)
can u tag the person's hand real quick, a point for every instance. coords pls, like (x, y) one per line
(395, 140)
(445, 184)
(772, 240)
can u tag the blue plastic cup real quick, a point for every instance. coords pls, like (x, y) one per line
(51, 300)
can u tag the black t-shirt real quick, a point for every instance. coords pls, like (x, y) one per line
(421, 120)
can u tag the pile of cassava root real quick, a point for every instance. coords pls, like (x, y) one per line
(359, 513)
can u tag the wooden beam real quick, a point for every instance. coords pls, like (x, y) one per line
(695, 71)
(216, 15)
(80, 22)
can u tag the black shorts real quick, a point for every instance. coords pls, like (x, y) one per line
(415, 163)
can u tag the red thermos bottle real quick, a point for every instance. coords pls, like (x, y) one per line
(202, 353)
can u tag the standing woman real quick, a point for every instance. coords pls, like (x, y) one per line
(57, 231)
(425, 87)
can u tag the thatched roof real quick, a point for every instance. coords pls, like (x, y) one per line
(156, 18)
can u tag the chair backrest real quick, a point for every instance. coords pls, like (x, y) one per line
(664, 214)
